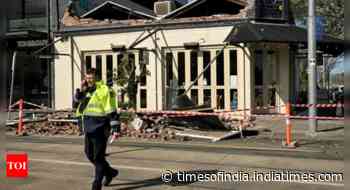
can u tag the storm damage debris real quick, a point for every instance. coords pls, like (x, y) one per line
(157, 126)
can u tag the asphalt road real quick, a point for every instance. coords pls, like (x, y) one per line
(59, 164)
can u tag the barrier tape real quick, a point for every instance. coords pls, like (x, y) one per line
(317, 117)
(317, 105)
(226, 115)
(188, 113)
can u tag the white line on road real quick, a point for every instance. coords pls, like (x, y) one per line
(158, 170)
(89, 164)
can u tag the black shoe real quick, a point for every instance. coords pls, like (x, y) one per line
(108, 178)
(96, 186)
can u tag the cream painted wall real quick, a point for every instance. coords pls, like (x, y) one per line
(63, 77)
(80, 44)
(155, 82)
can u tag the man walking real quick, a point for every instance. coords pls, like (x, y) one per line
(97, 110)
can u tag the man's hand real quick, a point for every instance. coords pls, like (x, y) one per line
(115, 135)
(83, 85)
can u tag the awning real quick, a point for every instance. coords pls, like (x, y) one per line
(248, 32)
(26, 39)
(25, 34)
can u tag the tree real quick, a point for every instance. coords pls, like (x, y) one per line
(331, 11)
(127, 79)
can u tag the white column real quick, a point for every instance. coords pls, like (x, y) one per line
(245, 81)
(114, 70)
(137, 73)
(200, 81)
(104, 67)
(188, 71)
(284, 72)
(213, 79)
(93, 61)
(227, 79)
(63, 77)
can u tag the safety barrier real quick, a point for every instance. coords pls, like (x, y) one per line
(238, 115)
(20, 127)
(20, 103)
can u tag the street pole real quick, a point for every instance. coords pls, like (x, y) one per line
(312, 99)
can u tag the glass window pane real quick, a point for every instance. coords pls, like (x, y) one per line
(207, 73)
(181, 69)
(233, 62)
(143, 94)
(194, 66)
(169, 68)
(258, 68)
(98, 67)
(220, 69)
(119, 59)
(220, 98)
(194, 96)
(87, 63)
(109, 60)
(143, 68)
(207, 97)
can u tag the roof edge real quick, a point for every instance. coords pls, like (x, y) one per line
(119, 5)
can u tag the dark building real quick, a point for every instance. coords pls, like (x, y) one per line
(25, 30)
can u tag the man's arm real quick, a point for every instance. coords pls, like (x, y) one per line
(111, 109)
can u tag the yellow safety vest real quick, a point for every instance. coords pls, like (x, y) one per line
(102, 102)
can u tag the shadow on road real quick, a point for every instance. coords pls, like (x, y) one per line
(124, 151)
(331, 129)
(177, 180)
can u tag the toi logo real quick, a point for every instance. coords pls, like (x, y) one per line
(16, 165)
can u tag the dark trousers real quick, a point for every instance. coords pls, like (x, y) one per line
(95, 150)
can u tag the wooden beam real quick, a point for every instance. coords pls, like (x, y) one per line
(239, 2)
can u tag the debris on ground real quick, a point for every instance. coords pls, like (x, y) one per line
(139, 125)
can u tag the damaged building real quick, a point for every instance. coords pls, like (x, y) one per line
(226, 54)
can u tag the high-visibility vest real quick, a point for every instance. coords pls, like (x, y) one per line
(102, 102)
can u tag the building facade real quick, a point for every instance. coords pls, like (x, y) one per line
(180, 44)
(25, 29)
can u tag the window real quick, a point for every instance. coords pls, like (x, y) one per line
(180, 92)
(194, 96)
(258, 68)
(207, 73)
(98, 67)
(143, 95)
(234, 99)
(258, 78)
(143, 67)
(169, 68)
(109, 59)
(233, 62)
(194, 66)
(119, 59)
(220, 98)
(181, 68)
(220, 69)
(207, 97)
(87, 63)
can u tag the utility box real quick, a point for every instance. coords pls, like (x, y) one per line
(164, 7)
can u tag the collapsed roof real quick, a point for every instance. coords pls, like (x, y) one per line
(112, 9)
(129, 10)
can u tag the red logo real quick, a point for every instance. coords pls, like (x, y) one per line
(16, 165)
